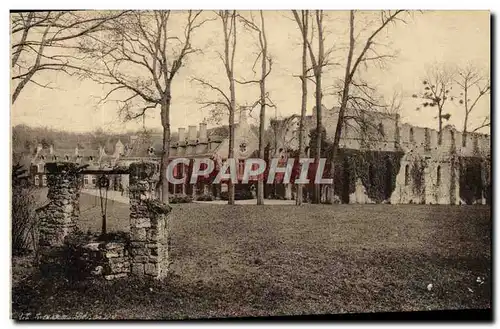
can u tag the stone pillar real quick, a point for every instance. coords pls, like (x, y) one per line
(58, 218)
(148, 223)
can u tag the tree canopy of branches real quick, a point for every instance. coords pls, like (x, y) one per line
(354, 92)
(138, 60)
(49, 41)
(437, 87)
(228, 19)
(318, 61)
(473, 86)
(266, 67)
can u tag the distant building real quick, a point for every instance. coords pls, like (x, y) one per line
(94, 159)
(380, 159)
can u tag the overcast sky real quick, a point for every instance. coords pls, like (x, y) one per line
(453, 37)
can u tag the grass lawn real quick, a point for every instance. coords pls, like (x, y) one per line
(234, 261)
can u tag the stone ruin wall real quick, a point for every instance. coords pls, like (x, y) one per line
(145, 254)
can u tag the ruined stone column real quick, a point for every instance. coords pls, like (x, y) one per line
(148, 223)
(58, 218)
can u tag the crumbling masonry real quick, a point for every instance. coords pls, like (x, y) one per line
(144, 254)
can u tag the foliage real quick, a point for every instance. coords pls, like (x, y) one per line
(376, 169)
(240, 194)
(179, 198)
(25, 139)
(205, 197)
(23, 212)
(472, 184)
(418, 176)
(158, 207)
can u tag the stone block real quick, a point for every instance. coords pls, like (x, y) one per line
(138, 234)
(151, 269)
(139, 251)
(140, 259)
(142, 222)
(115, 276)
(137, 244)
(112, 254)
(114, 245)
(137, 269)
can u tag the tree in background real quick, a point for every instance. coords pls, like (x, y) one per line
(266, 66)
(49, 41)
(304, 27)
(354, 92)
(224, 102)
(318, 61)
(139, 59)
(473, 85)
(436, 92)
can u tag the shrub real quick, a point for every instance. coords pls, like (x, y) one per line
(205, 197)
(238, 195)
(23, 213)
(179, 198)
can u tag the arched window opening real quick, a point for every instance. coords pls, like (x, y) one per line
(407, 174)
(438, 176)
(412, 136)
(371, 174)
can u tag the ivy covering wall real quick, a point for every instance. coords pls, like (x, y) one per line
(472, 185)
(377, 170)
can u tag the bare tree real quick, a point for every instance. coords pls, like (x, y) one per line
(367, 54)
(266, 67)
(304, 22)
(318, 61)
(49, 41)
(139, 60)
(473, 86)
(437, 86)
(228, 20)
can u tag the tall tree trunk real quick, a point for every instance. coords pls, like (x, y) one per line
(230, 185)
(300, 187)
(343, 103)
(262, 117)
(165, 122)
(319, 95)
(317, 156)
(440, 126)
(466, 119)
(230, 75)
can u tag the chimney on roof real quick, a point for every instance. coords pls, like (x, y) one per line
(192, 133)
(182, 135)
(203, 132)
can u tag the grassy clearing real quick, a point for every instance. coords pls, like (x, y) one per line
(286, 260)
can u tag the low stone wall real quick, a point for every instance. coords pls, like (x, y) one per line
(108, 259)
(142, 253)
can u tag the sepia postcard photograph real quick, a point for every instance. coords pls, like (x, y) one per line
(250, 164)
